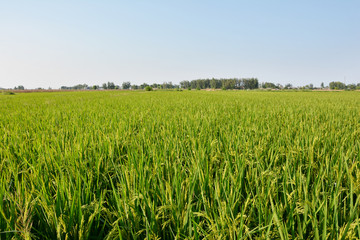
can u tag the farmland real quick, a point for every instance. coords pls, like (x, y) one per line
(180, 165)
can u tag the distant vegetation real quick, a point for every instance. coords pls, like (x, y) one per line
(21, 87)
(343, 86)
(209, 83)
(148, 88)
(231, 83)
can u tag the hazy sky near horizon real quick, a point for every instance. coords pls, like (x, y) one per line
(55, 43)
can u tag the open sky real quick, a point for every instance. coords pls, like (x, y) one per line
(55, 43)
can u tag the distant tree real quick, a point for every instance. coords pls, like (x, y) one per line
(228, 83)
(126, 85)
(95, 87)
(251, 83)
(167, 85)
(76, 87)
(110, 85)
(268, 85)
(104, 86)
(215, 83)
(351, 86)
(184, 84)
(193, 84)
(322, 85)
(155, 85)
(79, 86)
(148, 88)
(288, 86)
(20, 87)
(134, 87)
(144, 85)
(337, 85)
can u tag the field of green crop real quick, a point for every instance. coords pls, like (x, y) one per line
(180, 165)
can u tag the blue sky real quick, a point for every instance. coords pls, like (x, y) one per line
(56, 43)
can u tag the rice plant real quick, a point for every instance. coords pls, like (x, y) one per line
(180, 165)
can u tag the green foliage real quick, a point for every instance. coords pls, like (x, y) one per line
(351, 86)
(195, 165)
(78, 87)
(337, 85)
(126, 85)
(133, 87)
(228, 83)
(269, 85)
(148, 88)
(20, 87)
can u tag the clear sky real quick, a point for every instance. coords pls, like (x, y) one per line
(56, 43)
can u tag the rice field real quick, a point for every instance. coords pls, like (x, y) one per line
(180, 165)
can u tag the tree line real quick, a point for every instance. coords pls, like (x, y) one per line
(209, 83)
(343, 86)
(222, 83)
